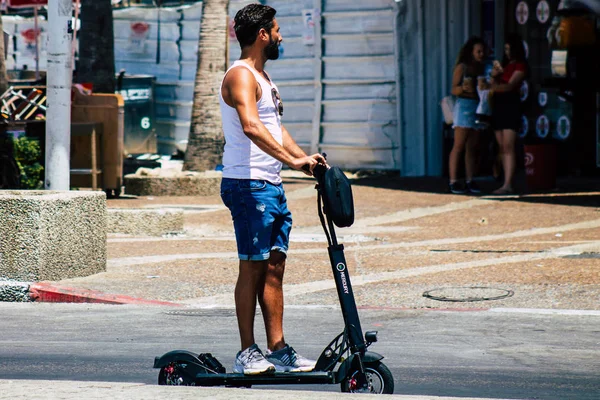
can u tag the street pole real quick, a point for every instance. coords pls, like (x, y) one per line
(59, 78)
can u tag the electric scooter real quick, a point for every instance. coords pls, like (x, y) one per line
(345, 361)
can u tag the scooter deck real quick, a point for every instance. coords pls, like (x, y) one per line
(278, 378)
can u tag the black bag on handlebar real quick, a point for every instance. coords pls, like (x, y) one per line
(338, 203)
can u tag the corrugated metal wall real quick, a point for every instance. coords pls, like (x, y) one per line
(368, 91)
(340, 94)
(430, 34)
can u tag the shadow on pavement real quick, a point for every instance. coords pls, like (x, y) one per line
(569, 191)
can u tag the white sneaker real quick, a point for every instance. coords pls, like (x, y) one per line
(252, 362)
(287, 360)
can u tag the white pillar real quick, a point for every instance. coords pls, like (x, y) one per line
(58, 114)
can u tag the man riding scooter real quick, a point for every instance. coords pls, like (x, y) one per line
(257, 145)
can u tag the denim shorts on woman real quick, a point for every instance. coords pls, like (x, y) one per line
(464, 114)
(261, 219)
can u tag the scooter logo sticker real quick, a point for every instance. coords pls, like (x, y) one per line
(522, 12)
(543, 99)
(542, 11)
(341, 267)
(542, 126)
(563, 127)
(524, 127)
(524, 91)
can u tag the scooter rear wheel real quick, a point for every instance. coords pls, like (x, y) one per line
(173, 374)
(379, 380)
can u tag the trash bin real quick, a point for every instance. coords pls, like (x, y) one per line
(138, 95)
(540, 166)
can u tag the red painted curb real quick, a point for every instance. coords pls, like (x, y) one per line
(48, 293)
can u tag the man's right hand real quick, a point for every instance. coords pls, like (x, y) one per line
(308, 163)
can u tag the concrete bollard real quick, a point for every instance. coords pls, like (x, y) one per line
(52, 235)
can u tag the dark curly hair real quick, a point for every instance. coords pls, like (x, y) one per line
(250, 20)
(517, 49)
(465, 55)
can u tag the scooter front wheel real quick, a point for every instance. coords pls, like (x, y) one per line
(379, 380)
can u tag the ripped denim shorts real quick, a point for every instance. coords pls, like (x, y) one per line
(464, 114)
(261, 219)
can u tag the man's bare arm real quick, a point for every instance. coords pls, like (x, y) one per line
(290, 144)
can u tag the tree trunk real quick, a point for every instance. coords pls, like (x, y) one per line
(3, 74)
(96, 46)
(205, 142)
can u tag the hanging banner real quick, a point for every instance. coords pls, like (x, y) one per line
(308, 32)
(26, 3)
(138, 35)
(28, 36)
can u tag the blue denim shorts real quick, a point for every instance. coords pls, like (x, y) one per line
(261, 219)
(464, 114)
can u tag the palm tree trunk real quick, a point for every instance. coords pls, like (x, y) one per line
(205, 142)
(96, 46)
(3, 74)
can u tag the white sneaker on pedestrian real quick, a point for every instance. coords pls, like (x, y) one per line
(252, 362)
(287, 360)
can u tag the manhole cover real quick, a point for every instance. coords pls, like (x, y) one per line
(467, 294)
(208, 312)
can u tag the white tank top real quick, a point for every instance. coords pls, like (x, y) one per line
(242, 159)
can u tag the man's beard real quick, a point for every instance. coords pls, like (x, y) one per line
(272, 50)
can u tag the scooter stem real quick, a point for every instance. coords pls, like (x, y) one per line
(346, 297)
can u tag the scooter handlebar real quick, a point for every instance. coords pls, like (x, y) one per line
(318, 170)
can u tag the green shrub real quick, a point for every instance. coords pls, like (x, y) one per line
(27, 155)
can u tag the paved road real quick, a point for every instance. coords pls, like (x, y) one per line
(495, 353)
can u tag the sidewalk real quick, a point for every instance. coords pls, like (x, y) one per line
(409, 238)
(34, 390)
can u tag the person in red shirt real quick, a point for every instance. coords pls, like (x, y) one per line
(507, 79)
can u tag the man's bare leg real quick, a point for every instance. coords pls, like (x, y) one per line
(270, 297)
(250, 277)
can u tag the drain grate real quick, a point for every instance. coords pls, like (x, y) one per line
(467, 294)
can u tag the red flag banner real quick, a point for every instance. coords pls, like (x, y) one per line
(26, 3)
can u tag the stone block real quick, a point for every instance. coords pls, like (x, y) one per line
(51, 235)
(150, 222)
(197, 184)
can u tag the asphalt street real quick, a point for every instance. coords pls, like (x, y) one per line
(497, 353)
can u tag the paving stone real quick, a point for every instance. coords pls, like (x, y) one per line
(147, 222)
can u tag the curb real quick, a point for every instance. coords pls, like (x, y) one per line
(42, 292)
